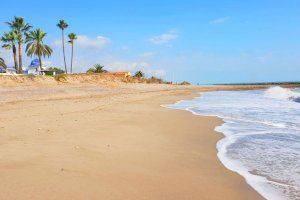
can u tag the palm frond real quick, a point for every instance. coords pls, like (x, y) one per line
(35, 45)
(2, 63)
(62, 24)
(19, 26)
(7, 46)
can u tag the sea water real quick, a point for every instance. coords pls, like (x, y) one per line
(262, 136)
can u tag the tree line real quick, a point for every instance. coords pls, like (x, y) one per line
(22, 33)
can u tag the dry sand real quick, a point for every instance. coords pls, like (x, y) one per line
(92, 142)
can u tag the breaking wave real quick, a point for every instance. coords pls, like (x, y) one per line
(282, 94)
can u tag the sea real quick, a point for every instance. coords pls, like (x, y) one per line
(262, 136)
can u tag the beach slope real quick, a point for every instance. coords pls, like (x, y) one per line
(111, 145)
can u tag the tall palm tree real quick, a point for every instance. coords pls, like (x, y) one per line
(19, 25)
(72, 38)
(35, 45)
(63, 25)
(9, 39)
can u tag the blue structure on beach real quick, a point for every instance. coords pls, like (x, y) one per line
(33, 67)
(34, 63)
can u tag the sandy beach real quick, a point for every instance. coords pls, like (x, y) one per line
(92, 142)
(150, 100)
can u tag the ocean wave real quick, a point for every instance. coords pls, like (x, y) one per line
(262, 136)
(282, 94)
(228, 119)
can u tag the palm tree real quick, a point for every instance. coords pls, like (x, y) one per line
(97, 69)
(2, 63)
(63, 25)
(19, 25)
(9, 39)
(72, 38)
(35, 45)
(139, 74)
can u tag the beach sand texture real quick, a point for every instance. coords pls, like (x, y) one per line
(90, 142)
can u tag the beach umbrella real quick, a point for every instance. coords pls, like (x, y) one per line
(35, 63)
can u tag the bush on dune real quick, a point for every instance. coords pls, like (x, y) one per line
(57, 70)
(139, 74)
(139, 77)
(184, 83)
(96, 69)
(153, 79)
(60, 78)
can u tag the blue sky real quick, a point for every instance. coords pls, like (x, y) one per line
(200, 41)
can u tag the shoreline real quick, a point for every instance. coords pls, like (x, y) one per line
(231, 165)
(100, 147)
(257, 182)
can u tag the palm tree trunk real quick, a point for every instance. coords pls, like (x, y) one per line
(15, 57)
(63, 45)
(72, 58)
(20, 71)
(40, 60)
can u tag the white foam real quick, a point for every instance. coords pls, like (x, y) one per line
(281, 93)
(259, 183)
(262, 136)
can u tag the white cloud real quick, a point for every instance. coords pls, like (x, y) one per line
(164, 38)
(84, 41)
(220, 20)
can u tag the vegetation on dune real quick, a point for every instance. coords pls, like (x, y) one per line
(154, 79)
(97, 69)
(9, 42)
(20, 27)
(63, 25)
(184, 83)
(56, 70)
(72, 38)
(139, 77)
(61, 78)
(139, 74)
(35, 45)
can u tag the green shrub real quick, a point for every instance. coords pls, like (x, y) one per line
(139, 74)
(184, 83)
(153, 79)
(54, 69)
(96, 69)
(60, 78)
